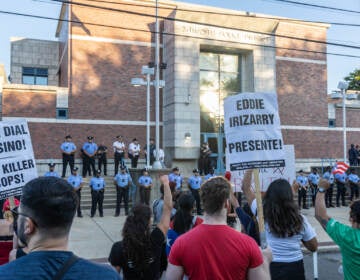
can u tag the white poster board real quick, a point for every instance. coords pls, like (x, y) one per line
(287, 172)
(253, 133)
(17, 163)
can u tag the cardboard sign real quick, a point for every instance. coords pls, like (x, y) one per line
(253, 133)
(17, 163)
(268, 175)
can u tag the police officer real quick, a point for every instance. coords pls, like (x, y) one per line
(329, 192)
(89, 150)
(97, 185)
(122, 182)
(68, 150)
(152, 148)
(176, 177)
(134, 152)
(51, 171)
(314, 181)
(76, 182)
(341, 180)
(102, 158)
(119, 153)
(194, 183)
(303, 187)
(354, 184)
(145, 184)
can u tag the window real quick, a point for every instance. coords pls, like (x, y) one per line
(331, 122)
(219, 78)
(61, 113)
(34, 76)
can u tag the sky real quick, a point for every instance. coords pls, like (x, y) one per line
(338, 66)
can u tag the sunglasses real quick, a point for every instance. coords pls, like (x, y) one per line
(15, 212)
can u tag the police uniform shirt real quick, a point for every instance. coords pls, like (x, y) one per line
(208, 176)
(145, 180)
(119, 147)
(177, 179)
(353, 178)
(97, 184)
(68, 147)
(302, 180)
(123, 180)
(75, 180)
(195, 182)
(341, 177)
(329, 177)
(314, 178)
(90, 148)
(52, 173)
(134, 149)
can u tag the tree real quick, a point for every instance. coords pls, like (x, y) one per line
(354, 80)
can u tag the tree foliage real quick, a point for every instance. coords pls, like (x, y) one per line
(354, 80)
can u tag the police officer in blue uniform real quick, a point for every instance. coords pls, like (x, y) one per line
(314, 178)
(303, 187)
(97, 185)
(76, 182)
(176, 177)
(210, 174)
(341, 180)
(68, 150)
(329, 192)
(145, 184)
(194, 183)
(102, 158)
(89, 150)
(354, 184)
(51, 171)
(122, 182)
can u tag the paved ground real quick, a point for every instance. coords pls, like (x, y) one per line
(92, 238)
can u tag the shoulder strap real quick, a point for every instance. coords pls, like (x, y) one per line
(61, 272)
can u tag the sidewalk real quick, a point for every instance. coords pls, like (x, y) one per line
(92, 238)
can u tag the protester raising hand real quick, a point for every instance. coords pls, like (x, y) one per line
(285, 228)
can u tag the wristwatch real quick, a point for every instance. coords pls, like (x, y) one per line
(321, 190)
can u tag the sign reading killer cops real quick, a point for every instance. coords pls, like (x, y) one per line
(17, 163)
(253, 133)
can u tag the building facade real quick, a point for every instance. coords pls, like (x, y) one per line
(209, 53)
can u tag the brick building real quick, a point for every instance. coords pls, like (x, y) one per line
(102, 45)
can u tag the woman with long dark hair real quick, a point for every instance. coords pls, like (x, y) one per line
(138, 255)
(285, 228)
(183, 220)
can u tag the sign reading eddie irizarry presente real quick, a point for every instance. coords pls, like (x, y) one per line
(253, 133)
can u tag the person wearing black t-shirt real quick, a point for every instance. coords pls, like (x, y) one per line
(139, 254)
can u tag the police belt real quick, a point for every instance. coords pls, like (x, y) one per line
(97, 191)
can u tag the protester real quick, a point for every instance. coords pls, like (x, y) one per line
(285, 228)
(45, 216)
(183, 220)
(138, 255)
(346, 237)
(214, 250)
(158, 204)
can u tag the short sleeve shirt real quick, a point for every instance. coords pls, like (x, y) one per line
(354, 178)
(51, 174)
(314, 178)
(68, 147)
(122, 180)
(302, 180)
(329, 177)
(75, 180)
(195, 182)
(348, 239)
(90, 148)
(145, 181)
(97, 184)
(341, 177)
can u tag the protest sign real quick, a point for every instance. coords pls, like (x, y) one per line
(17, 163)
(266, 176)
(253, 133)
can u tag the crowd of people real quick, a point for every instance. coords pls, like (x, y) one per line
(187, 233)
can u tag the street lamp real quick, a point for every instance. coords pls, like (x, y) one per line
(148, 71)
(343, 86)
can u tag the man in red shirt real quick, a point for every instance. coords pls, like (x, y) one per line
(214, 250)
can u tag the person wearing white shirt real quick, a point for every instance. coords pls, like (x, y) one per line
(134, 152)
(119, 153)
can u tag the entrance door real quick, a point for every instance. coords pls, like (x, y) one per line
(217, 146)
